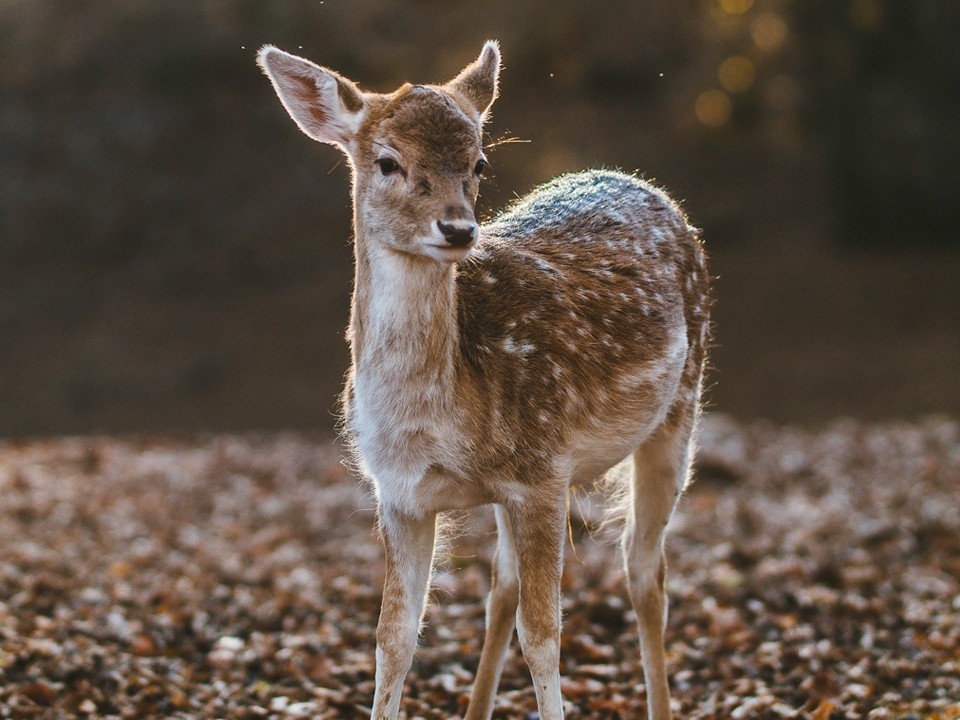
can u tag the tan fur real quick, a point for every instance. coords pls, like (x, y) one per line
(501, 364)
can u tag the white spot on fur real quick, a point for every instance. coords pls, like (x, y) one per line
(574, 401)
(512, 347)
(547, 266)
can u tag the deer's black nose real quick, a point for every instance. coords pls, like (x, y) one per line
(459, 233)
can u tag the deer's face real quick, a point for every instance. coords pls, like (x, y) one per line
(418, 163)
(417, 154)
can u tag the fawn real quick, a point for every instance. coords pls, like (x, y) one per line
(498, 364)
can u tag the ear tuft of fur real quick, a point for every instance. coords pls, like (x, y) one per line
(262, 54)
(490, 54)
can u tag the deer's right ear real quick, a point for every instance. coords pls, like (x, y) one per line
(478, 81)
(325, 105)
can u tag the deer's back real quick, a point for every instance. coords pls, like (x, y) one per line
(583, 310)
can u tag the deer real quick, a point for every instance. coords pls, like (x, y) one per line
(503, 363)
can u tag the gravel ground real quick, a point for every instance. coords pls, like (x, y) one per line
(814, 574)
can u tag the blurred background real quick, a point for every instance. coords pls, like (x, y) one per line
(174, 254)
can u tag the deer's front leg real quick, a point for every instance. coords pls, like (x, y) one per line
(408, 542)
(538, 528)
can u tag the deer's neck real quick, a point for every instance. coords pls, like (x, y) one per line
(403, 328)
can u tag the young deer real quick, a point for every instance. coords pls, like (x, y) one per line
(499, 364)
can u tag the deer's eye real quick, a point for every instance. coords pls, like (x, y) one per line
(388, 166)
(479, 167)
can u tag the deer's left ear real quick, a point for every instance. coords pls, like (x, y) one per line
(323, 103)
(477, 82)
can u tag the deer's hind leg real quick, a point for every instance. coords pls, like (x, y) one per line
(661, 469)
(501, 619)
(538, 525)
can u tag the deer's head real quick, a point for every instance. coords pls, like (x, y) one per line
(416, 153)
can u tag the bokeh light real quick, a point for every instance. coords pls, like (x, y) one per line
(736, 74)
(769, 31)
(713, 108)
(735, 7)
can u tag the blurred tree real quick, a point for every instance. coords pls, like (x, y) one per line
(884, 78)
(174, 254)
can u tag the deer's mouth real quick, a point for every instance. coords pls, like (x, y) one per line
(444, 252)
